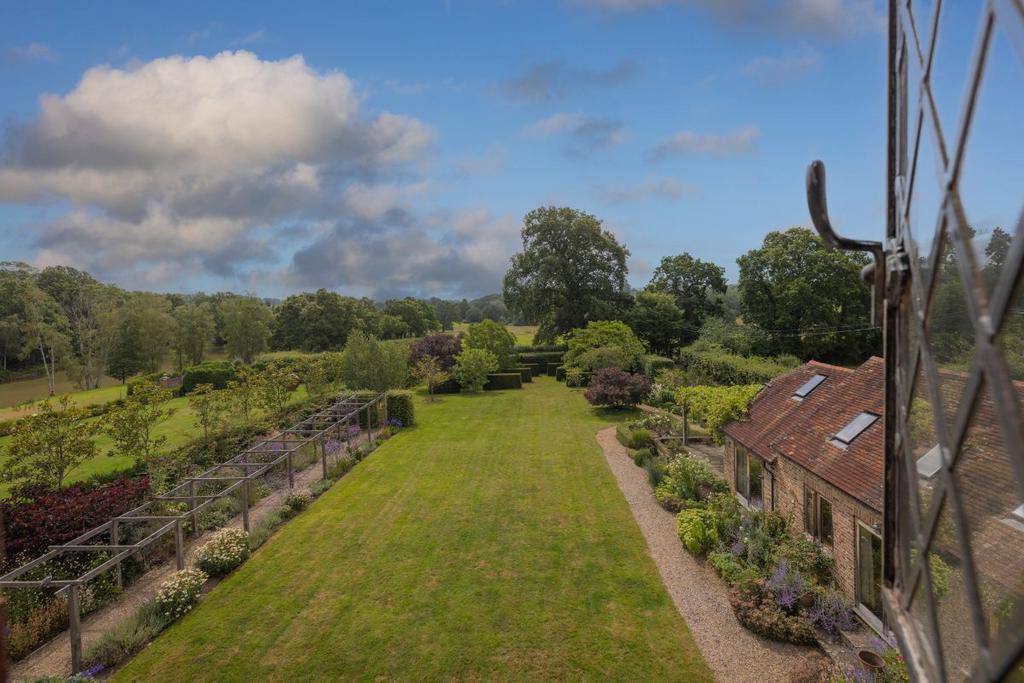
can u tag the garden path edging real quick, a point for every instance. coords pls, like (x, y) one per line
(733, 653)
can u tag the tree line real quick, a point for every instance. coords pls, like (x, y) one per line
(62, 319)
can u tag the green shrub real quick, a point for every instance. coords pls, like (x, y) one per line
(606, 357)
(266, 527)
(401, 407)
(297, 501)
(711, 365)
(216, 373)
(651, 364)
(642, 456)
(560, 373)
(808, 557)
(472, 367)
(127, 637)
(219, 513)
(541, 358)
(226, 550)
(526, 373)
(605, 333)
(180, 593)
(655, 472)
(714, 407)
(367, 363)
(503, 380)
(940, 572)
(687, 480)
(319, 487)
(43, 623)
(728, 567)
(697, 530)
(494, 337)
(754, 604)
(634, 438)
(659, 423)
(575, 377)
(541, 348)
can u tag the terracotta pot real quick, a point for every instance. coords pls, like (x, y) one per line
(871, 660)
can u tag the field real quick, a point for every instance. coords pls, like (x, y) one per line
(490, 542)
(523, 333)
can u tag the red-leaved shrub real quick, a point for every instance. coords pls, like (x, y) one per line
(443, 347)
(617, 388)
(55, 517)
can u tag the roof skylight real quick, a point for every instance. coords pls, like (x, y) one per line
(930, 463)
(857, 425)
(810, 385)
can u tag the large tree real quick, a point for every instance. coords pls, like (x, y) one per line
(810, 301)
(416, 314)
(321, 321)
(570, 271)
(42, 326)
(247, 322)
(657, 320)
(47, 446)
(193, 334)
(696, 286)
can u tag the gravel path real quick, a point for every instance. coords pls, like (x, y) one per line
(734, 654)
(54, 658)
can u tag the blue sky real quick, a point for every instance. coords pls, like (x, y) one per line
(386, 148)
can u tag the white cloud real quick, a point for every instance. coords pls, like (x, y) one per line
(583, 134)
(811, 17)
(651, 188)
(32, 52)
(687, 142)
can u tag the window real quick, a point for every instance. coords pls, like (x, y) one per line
(857, 425)
(809, 386)
(818, 517)
(756, 497)
(869, 573)
(930, 463)
(749, 479)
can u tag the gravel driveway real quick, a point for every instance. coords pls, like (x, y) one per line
(734, 654)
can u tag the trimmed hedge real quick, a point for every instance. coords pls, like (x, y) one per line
(560, 373)
(541, 357)
(150, 378)
(217, 373)
(401, 407)
(715, 366)
(449, 386)
(552, 369)
(652, 363)
(526, 373)
(541, 348)
(503, 380)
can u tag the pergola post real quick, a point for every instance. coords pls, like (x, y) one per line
(323, 454)
(115, 534)
(179, 545)
(245, 504)
(75, 627)
(195, 515)
(291, 470)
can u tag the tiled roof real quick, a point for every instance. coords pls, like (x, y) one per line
(802, 431)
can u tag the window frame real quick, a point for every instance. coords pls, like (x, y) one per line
(743, 492)
(813, 520)
(862, 610)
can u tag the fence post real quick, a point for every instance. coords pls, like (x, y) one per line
(369, 423)
(75, 628)
(291, 470)
(195, 515)
(686, 426)
(115, 539)
(245, 505)
(323, 454)
(384, 403)
(179, 545)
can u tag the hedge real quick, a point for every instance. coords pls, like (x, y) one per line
(217, 373)
(652, 363)
(449, 386)
(150, 378)
(526, 373)
(560, 373)
(541, 357)
(552, 369)
(716, 366)
(541, 348)
(504, 380)
(536, 369)
(401, 407)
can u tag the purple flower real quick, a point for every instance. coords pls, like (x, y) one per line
(788, 584)
(738, 548)
(352, 432)
(394, 422)
(332, 446)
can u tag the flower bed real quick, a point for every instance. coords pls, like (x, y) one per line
(225, 550)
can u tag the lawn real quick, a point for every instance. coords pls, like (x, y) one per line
(179, 428)
(490, 542)
(522, 333)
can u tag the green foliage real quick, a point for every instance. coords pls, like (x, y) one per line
(215, 373)
(642, 456)
(728, 567)
(180, 593)
(472, 367)
(813, 295)
(808, 557)
(274, 386)
(633, 438)
(247, 323)
(210, 408)
(576, 377)
(601, 335)
(940, 572)
(127, 637)
(658, 321)
(192, 334)
(655, 472)
(652, 365)
(494, 337)
(416, 316)
(321, 321)
(41, 623)
(697, 530)
(428, 370)
(503, 380)
(130, 426)
(606, 357)
(297, 501)
(687, 480)
(658, 423)
(401, 407)
(367, 363)
(570, 271)
(714, 407)
(541, 358)
(713, 365)
(693, 284)
(46, 446)
(323, 374)
(734, 337)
